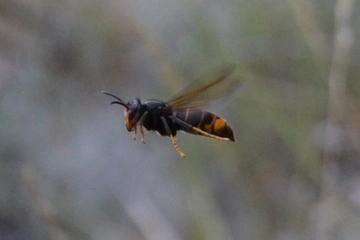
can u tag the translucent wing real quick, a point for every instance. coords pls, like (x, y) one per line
(211, 86)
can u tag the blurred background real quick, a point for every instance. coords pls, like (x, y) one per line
(70, 170)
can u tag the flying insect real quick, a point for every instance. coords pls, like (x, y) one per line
(184, 110)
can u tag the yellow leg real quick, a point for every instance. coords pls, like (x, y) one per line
(135, 132)
(210, 135)
(201, 132)
(173, 139)
(176, 145)
(142, 134)
(141, 121)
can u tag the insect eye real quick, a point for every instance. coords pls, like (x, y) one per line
(134, 107)
(133, 104)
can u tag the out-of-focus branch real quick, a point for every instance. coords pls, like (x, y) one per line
(147, 217)
(313, 35)
(43, 206)
(152, 44)
(337, 79)
(343, 42)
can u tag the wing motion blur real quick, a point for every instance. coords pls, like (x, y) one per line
(215, 84)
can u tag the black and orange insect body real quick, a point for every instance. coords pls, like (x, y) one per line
(204, 123)
(183, 112)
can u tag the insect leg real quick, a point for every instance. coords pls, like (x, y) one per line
(188, 126)
(141, 121)
(176, 145)
(135, 133)
(173, 139)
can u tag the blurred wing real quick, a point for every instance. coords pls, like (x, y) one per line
(211, 86)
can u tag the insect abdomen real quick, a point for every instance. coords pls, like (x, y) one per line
(205, 122)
